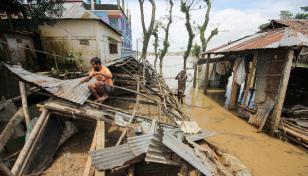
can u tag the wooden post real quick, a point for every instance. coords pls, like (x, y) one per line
(234, 87)
(100, 142)
(4, 171)
(255, 55)
(195, 75)
(24, 100)
(206, 79)
(89, 161)
(10, 128)
(282, 92)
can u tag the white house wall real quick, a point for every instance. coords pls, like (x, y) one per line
(66, 37)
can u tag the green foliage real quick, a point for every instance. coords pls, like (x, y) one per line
(37, 10)
(72, 57)
(285, 14)
(263, 26)
(301, 16)
(196, 49)
(305, 8)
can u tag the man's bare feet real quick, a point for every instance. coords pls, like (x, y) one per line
(101, 99)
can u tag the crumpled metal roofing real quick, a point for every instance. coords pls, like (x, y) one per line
(139, 144)
(281, 37)
(111, 157)
(298, 24)
(71, 90)
(186, 153)
(204, 134)
(158, 152)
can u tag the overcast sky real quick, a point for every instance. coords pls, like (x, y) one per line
(239, 17)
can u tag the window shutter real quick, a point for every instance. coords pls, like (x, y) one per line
(110, 48)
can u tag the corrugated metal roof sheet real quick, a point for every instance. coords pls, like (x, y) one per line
(158, 152)
(74, 10)
(186, 153)
(281, 37)
(298, 24)
(71, 90)
(139, 144)
(111, 157)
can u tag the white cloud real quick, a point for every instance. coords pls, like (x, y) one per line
(239, 22)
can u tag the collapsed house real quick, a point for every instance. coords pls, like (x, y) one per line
(168, 138)
(273, 53)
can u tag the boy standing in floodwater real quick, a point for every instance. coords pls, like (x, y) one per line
(181, 77)
(103, 84)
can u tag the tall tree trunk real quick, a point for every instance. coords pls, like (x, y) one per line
(155, 61)
(190, 38)
(204, 26)
(146, 33)
(160, 67)
(166, 42)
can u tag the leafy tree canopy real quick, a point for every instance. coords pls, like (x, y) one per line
(39, 11)
(196, 49)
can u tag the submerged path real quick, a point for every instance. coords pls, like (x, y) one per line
(261, 154)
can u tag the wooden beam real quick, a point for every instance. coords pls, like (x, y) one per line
(235, 86)
(100, 142)
(4, 171)
(89, 161)
(206, 78)
(24, 101)
(282, 92)
(250, 77)
(195, 75)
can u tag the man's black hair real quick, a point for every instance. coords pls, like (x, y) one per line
(96, 60)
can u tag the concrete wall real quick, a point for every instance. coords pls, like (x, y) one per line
(55, 39)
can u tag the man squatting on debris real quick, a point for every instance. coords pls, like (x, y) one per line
(181, 77)
(103, 84)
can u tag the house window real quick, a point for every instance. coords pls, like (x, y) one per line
(113, 48)
(84, 42)
(114, 22)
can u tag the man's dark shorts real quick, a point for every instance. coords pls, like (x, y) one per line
(108, 88)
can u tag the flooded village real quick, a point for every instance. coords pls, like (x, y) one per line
(79, 98)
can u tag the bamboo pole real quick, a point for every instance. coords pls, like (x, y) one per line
(25, 150)
(206, 79)
(195, 75)
(255, 55)
(100, 142)
(234, 87)
(10, 128)
(24, 101)
(282, 92)
(132, 117)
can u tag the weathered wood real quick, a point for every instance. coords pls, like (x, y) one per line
(100, 142)
(235, 86)
(206, 78)
(10, 128)
(253, 66)
(195, 75)
(4, 171)
(282, 92)
(269, 75)
(131, 170)
(25, 150)
(24, 101)
(89, 161)
(133, 115)
(11, 156)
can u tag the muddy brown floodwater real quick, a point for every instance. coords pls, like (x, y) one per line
(261, 154)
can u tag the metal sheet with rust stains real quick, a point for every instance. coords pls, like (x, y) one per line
(281, 37)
